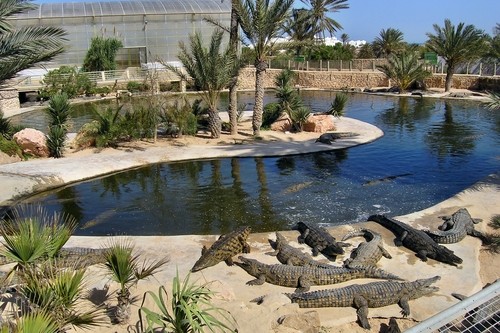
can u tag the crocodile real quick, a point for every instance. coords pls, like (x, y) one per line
(303, 277)
(417, 240)
(455, 228)
(289, 255)
(329, 138)
(367, 253)
(364, 296)
(224, 249)
(320, 240)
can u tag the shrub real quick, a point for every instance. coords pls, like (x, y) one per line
(101, 54)
(165, 86)
(299, 118)
(134, 86)
(190, 310)
(272, 111)
(10, 147)
(338, 105)
(58, 114)
(66, 80)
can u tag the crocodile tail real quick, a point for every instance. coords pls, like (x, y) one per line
(354, 233)
(377, 273)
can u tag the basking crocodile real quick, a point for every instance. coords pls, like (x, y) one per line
(319, 239)
(455, 228)
(289, 255)
(417, 240)
(367, 253)
(226, 247)
(302, 277)
(364, 296)
(329, 138)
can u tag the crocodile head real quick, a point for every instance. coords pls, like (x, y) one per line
(300, 226)
(445, 255)
(422, 287)
(251, 266)
(332, 250)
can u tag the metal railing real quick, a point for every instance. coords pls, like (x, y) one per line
(477, 313)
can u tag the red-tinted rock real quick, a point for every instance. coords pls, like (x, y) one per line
(319, 123)
(32, 142)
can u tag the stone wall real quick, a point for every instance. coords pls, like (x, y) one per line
(366, 79)
(9, 100)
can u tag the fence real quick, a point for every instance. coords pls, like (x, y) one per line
(472, 68)
(478, 313)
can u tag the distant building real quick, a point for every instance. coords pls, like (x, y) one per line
(333, 40)
(147, 28)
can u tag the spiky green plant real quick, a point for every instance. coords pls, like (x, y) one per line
(58, 114)
(404, 69)
(60, 291)
(39, 321)
(191, 310)
(338, 105)
(299, 117)
(495, 222)
(5, 126)
(56, 139)
(30, 234)
(124, 268)
(494, 101)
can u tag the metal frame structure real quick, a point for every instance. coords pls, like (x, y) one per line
(148, 29)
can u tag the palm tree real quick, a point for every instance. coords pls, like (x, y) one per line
(211, 69)
(320, 21)
(344, 38)
(24, 47)
(404, 69)
(261, 22)
(390, 41)
(299, 28)
(456, 45)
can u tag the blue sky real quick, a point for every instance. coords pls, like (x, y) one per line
(366, 18)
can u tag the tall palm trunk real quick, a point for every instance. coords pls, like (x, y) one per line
(214, 123)
(260, 69)
(233, 88)
(449, 77)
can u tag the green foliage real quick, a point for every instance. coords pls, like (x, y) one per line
(101, 54)
(67, 80)
(338, 105)
(5, 127)
(182, 115)
(272, 111)
(299, 117)
(494, 101)
(39, 321)
(495, 222)
(124, 268)
(365, 51)
(331, 52)
(389, 42)
(23, 47)
(108, 126)
(191, 310)
(404, 69)
(30, 234)
(134, 86)
(58, 114)
(10, 147)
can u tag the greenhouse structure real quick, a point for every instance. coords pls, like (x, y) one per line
(149, 29)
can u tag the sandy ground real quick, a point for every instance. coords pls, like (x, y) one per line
(229, 282)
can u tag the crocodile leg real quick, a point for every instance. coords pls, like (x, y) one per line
(384, 252)
(229, 261)
(405, 307)
(257, 282)
(315, 251)
(304, 285)
(361, 304)
(422, 255)
(302, 238)
(399, 241)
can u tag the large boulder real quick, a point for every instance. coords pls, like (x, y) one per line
(319, 123)
(282, 124)
(32, 142)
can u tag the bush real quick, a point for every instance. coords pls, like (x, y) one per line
(272, 111)
(165, 86)
(66, 80)
(134, 86)
(338, 105)
(58, 114)
(299, 117)
(10, 147)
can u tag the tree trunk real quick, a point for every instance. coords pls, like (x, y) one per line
(258, 109)
(449, 77)
(214, 123)
(233, 89)
(122, 313)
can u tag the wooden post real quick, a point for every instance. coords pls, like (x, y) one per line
(320, 65)
(480, 68)
(340, 69)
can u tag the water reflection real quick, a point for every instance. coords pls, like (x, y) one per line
(450, 137)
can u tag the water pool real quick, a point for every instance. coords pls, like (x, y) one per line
(431, 150)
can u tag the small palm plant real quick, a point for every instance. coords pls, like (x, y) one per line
(191, 310)
(338, 105)
(30, 234)
(39, 321)
(58, 114)
(494, 101)
(60, 290)
(404, 69)
(124, 268)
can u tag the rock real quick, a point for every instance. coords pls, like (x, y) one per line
(282, 124)
(459, 94)
(319, 123)
(32, 142)
(307, 322)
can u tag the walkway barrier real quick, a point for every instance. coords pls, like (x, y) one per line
(477, 313)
